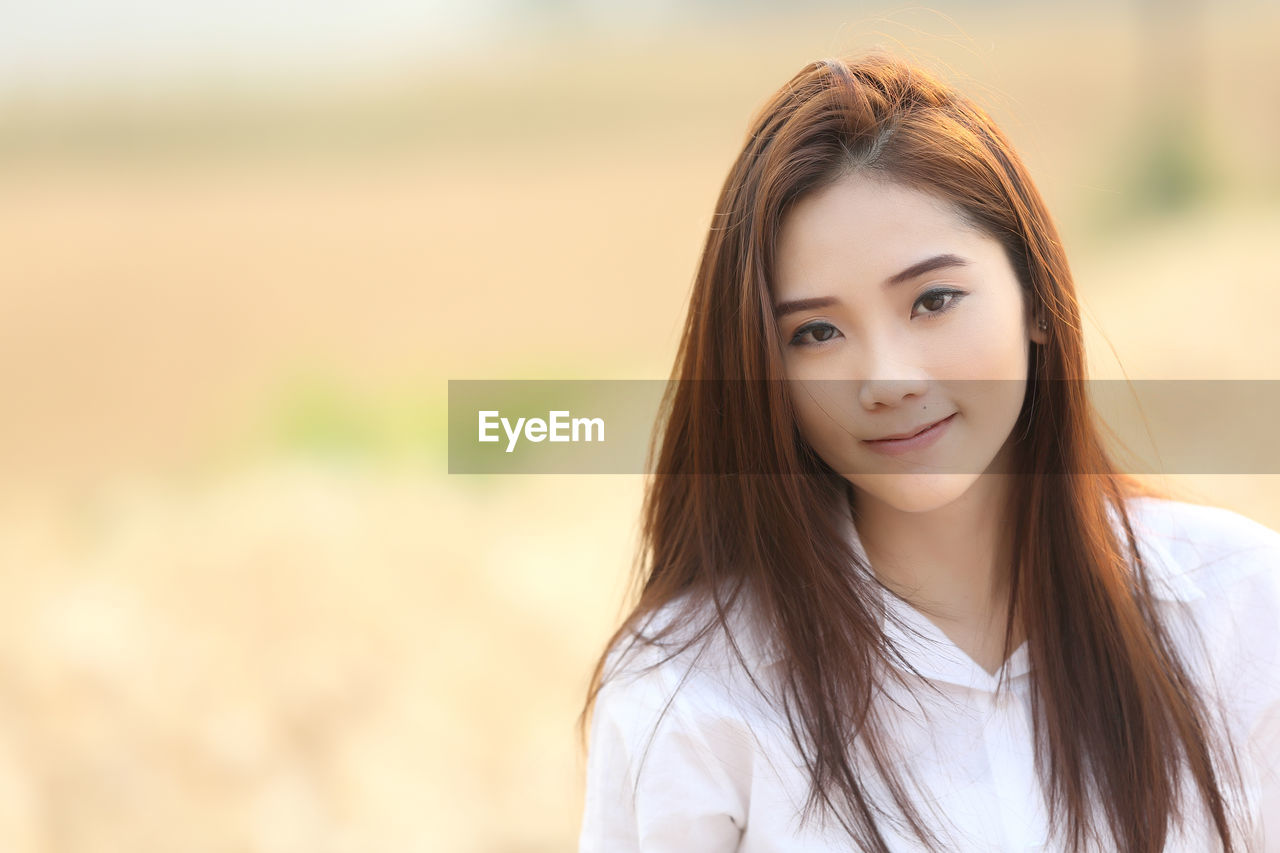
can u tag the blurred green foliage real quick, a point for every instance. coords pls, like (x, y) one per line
(322, 416)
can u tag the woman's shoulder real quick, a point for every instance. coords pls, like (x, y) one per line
(692, 629)
(1204, 522)
(1220, 572)
(1194, 549)
(683, 653)
(671, 754)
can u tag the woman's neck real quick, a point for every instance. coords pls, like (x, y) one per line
(951, 563)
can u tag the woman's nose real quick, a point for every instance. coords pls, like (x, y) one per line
(890, 377)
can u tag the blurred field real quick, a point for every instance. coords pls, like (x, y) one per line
(245, 608)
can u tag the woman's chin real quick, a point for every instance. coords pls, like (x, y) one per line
(912, 492)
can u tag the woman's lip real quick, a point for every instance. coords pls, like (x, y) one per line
(919, 441)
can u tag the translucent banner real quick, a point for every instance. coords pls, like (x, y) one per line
(882, 426)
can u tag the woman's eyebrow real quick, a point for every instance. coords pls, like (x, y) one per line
(937, 262)
(782, 309)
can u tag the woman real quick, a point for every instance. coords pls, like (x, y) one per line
(894, 594)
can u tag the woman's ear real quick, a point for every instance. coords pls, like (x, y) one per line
(1039, 323)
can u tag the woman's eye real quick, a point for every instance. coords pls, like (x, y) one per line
(939, 301)
(816, 332)
(934, 303)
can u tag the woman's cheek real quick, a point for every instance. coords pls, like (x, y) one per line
(979, 354)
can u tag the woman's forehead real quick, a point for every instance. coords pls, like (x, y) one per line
(868, 230)
(859, 205)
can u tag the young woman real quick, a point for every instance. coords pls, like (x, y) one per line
(894, 595)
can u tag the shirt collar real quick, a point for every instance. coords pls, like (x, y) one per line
(924, 647)
(934, 655)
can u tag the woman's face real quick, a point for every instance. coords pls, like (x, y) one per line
(885, 300)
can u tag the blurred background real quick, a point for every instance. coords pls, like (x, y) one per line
(243, 247)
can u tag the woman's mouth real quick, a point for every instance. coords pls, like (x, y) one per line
(920, 440)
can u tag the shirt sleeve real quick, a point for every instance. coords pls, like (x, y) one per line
(1255, 612)
(1264, 737)
(1266, 746)
(653, 782)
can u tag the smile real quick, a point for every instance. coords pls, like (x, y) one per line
(922, 439)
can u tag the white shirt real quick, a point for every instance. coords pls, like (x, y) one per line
(722, 774)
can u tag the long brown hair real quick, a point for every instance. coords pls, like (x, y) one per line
(1117, 720)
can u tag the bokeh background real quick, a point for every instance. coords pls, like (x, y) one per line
(244, 246)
